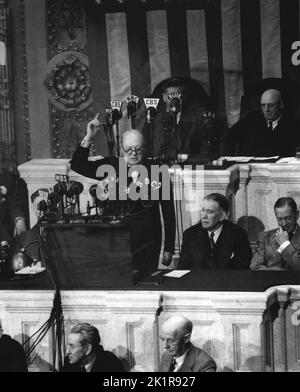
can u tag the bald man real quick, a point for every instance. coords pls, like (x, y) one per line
(142, 233)
(272, 131)
(180, 354)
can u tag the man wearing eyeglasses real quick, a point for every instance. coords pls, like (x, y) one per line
(273, 131)
(279, 249)
(180, 354)
(133, 146)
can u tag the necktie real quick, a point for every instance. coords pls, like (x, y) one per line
(210, 261)
(211, 242)
(173, 364)
(270, 125)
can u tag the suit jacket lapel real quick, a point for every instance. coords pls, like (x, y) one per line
(296, 237)
(223, 243)
(201, 244)
(189, 361)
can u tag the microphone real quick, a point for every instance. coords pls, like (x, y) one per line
(207, 119)
(93, 191)
(75, 189)
(116, 113)
(151, 106)
(42, 206)
(174, 102)
(60, 189)
(132, 105)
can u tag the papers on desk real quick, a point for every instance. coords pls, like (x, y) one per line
(292, 160)
(177, 273)
(31, 269)
(246, 159)
(274, 157)
(236, 159)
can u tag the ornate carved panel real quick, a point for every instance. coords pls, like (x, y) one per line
(68, 77)
(7, 134)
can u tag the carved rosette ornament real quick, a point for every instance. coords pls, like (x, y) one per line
(68, 81)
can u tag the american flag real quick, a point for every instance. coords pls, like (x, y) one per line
(228, 45)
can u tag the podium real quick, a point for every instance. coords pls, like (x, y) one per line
(87, 255)
(97, 255)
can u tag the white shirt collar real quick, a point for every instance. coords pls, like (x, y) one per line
(88, 366)
(275, 123)
(216, 233)
(180, 360)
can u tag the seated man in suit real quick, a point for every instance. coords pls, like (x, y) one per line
(180, 354)
(12, 216)
(12, 355)
(270, 132)
(85, 354)
(279, 249)
(183, 102)
(215, 242)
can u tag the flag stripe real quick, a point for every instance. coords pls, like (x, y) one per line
(178, 43)
(289, 17)
(232, 55)
(98, 60)
(213, 21)
(197, 46)
(270, 38)
(118, 59)
(138, 51)
(158, 46)
(251, 43)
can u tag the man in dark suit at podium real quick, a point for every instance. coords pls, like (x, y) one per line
(267, 133)
(215, 242)
(86, 354)
(134, 157)
(279, 249)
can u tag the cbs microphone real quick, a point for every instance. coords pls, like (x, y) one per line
(75, 189)
(116, 113)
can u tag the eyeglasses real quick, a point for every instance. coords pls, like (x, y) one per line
(131, 150)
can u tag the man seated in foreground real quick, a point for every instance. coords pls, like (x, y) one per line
(85, 354)
(180, 354)
(279, 249)
(215, 242)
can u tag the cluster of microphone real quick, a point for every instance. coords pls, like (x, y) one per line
(61, 203)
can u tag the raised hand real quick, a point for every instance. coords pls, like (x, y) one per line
(92, 128)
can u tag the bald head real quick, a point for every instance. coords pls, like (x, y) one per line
(176, 333)
(133, 145)
(271, 104)
(133, 135)
(178, 325)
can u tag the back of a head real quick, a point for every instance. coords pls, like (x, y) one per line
(88, 334)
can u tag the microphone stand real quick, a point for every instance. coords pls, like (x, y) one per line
(117, 138)
(150, 115)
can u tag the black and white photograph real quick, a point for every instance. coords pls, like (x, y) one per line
(149, 189)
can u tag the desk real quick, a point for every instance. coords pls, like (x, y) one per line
(240, 328)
